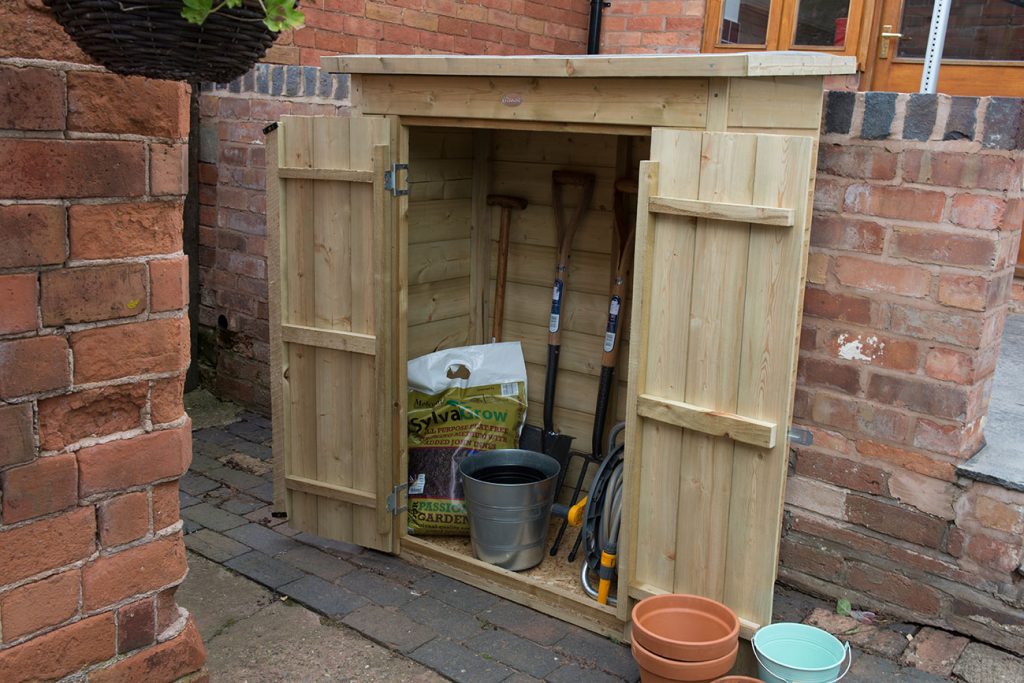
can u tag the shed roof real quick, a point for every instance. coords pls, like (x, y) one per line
(739, 64)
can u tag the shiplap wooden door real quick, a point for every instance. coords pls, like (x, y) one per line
(332, 316)
(722, 233)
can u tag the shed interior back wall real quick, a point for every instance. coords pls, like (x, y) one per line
(451, 171)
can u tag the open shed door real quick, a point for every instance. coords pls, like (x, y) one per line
(332, 310)
(722, 234)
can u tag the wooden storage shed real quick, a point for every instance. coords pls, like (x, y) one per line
(381, 248)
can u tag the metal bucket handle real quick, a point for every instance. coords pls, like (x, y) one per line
(847, 657)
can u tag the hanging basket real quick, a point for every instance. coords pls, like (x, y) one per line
(151, 38)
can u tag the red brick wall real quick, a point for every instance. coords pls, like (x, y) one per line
(93, 348)
(646, 26)
(487, 27)
(917, 220)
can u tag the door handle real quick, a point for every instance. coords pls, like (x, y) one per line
(886, 35)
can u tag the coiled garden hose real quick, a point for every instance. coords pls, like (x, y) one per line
(601, 519)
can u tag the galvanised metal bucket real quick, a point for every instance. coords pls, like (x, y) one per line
(508, 498)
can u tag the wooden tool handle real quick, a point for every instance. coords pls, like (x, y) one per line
(507, 204)
(501, 276)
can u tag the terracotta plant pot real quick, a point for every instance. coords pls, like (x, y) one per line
(738, 679)
(655, 669)
(686, 628)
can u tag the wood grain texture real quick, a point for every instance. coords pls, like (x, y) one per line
(623, 101)
(335, 270)
(719, 344)
(596, 66)
(739, 213)
(736, 427)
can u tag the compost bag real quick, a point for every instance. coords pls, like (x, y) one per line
(461, 401)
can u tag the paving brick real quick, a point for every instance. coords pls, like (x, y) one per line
(264, 492)
(255, 450)
(257, 419)
(983, 664)
(210, 450)
(1002, 123)
(186, 500)
(212, 517)
(389, 627)
(202, 463)
(962, 120)
(920, 119)
(517, 652)
(197, 484)
(189, 526)
(521, 678)
(264, 569)
(376, 588)
(249, 431)
(217, 436)
(458, 663)
(327, 545)
(315, 562)
(793, 606)
(445, 620)
(839, 111)
(525, 622)
(879, 111)
(261, 538)
(880, 641)
(214, 546)
(235, 478)
(868, 668)
(934, 651)
(242, 505)
(574, 673)
(603, 653)
(390, 566)
(456, 593)
(322, 596)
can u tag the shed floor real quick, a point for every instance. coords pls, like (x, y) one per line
(366, 616)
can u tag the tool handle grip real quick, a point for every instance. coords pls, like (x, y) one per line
(604, 390)
(549, 387)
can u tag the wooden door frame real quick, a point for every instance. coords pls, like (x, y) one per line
(782, 23)
(977, 71)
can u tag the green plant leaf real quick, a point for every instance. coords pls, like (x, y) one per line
(196, 11)
(282, 15)
(232, 3)
(843, 607)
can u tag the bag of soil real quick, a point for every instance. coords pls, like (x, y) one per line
(461, 401)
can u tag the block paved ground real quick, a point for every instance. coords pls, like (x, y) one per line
(409, 621)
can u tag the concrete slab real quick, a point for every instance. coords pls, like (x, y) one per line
(206, 410)
(218, 598)
(983, 664)
(251, 635)
(287, 642)
(1000, 461)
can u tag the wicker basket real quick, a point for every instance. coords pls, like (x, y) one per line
(150, 38)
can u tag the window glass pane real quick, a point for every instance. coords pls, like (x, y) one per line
(821, 23)
(978, 29)
(745, 22)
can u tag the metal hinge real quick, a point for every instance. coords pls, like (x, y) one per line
(801, 437)
(393, 498)
(391, 180)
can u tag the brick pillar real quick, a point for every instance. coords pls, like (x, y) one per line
(93, 348)
(917, 220)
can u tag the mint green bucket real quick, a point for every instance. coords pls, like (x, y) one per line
(798, 653)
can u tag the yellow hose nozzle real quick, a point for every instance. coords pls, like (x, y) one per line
(575, 515)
